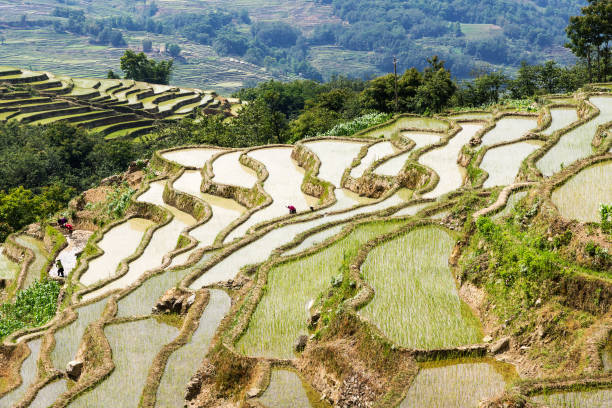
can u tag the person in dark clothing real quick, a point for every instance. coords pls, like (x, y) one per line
(62, 221)
(311, 208)
(292, 209)
(60, 268)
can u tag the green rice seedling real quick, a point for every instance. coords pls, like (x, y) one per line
(40, 257)
(560, 118)
(68, 339)
(581, 399)
(457, 383)
(28, 375)
(184, 362)
(286, 390)
(281, 314)
(576, 144)
(581, 196)
(47, 396)
(8, 268)
(134, 345)
(416, 303)
(315, 239)
(140, 301)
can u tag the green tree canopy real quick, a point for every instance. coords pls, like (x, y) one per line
(140, 68)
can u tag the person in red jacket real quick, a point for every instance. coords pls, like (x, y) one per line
(292, 209)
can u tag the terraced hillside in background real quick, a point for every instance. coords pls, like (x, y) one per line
(111, 107)
(386, 288)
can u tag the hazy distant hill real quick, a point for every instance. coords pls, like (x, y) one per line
(225, 46)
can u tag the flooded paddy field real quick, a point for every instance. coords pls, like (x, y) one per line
(416, 298)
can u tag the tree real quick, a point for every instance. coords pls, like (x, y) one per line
(437, 88)
(111, 75)
(484, 89)
(147, 45)
(257, 124)
(590, 35)
(173, 49)
(140, 68)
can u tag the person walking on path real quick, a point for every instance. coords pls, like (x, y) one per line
(60, 268)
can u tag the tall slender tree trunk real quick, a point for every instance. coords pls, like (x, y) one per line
(599, 79)
(588, 58)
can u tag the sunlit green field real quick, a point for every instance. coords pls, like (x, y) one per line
(281, 315)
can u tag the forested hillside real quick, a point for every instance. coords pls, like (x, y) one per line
(226, 45)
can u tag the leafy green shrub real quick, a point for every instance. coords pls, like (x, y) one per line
(594, 250)
(487, 228)
(118, 201)
(33, 307)
(357, 124)
(605, 212)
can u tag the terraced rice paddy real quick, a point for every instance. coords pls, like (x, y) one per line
(416, 303)
(503, 163)
(472, 116)
(67, 338)
(375, 152)
(411, 210)
(512, 202)
(28, 374)
(134, 346)
(456, 384)
(113, 108)
(47, 396)
(118, 243)
(191, 157)
(162, 242)
(592, 182)
(181, 364)
(40, 258)
(561, 117)
(335, 156)
(314, 239)
(141, 300)
(394, 165)
(411, 122)
(576, 144)
(509, 128)
(444, 161)
(283, 185)
(224, 210)
(8, 268)
(228, 170)
(259, 250)
(582, 399)
(287, 390)
(282, 312)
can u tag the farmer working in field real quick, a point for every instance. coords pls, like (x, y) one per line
(292, 209)
(60, 268)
